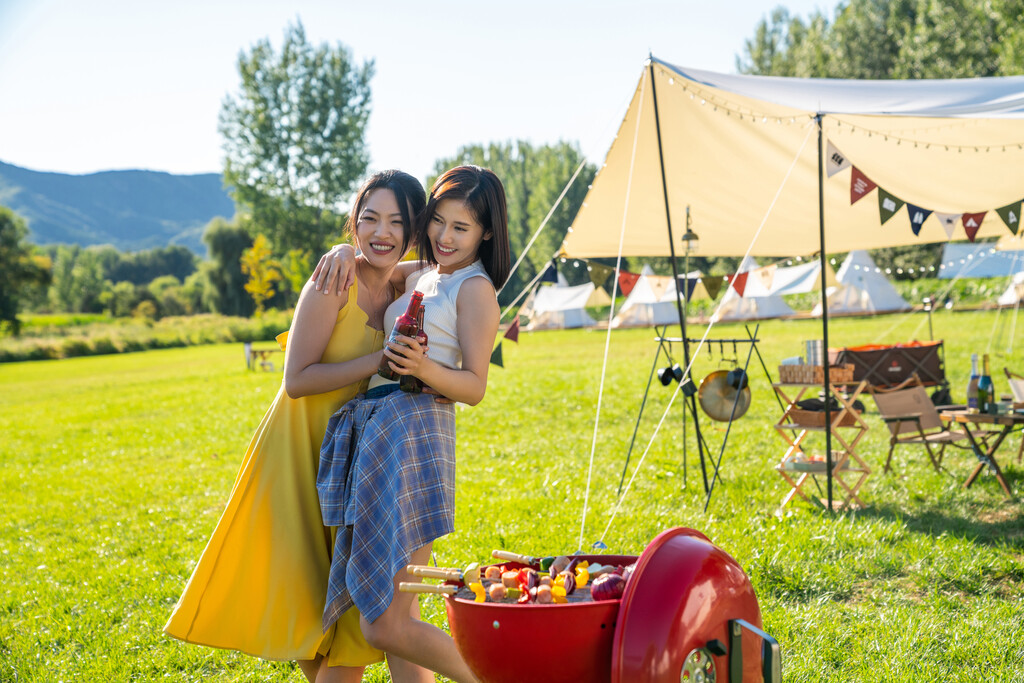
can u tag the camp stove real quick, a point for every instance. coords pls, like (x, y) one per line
(688, 615)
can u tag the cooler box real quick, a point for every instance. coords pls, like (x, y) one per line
(887, 366)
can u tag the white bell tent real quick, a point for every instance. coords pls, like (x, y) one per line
(863, 289)
(652, 301)
(962, 259)
(558, 307)
(752, 305)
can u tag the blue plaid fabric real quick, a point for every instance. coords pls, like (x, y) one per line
(387, 481)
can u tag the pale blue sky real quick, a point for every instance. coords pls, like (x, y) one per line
(114, 84)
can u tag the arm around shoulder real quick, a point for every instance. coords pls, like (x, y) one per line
(312, 326)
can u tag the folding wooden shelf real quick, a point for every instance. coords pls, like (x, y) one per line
(799, 467)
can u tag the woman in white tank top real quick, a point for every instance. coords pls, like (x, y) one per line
(387, 465)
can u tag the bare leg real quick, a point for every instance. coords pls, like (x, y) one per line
(403, 671)
(397, 633)
(338, 674)
(309, 668)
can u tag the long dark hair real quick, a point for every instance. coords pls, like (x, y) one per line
(408, 193)
(484, 194)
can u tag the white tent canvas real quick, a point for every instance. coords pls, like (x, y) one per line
(553, 307)
(863, 288)
(750, 306)
(646, 307)
(742, 153)
(978, 260)
(1014, 292)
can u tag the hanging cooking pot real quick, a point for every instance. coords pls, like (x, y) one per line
(717, 396)
(737, 379)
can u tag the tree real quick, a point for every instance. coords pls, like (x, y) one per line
(18, 270)
(533, 178)
(294, 138)
(296, 266)
(263, 272)
(224, 282)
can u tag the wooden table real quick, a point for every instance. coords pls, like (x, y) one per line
(985, 449)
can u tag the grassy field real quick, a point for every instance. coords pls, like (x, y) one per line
(114, 470)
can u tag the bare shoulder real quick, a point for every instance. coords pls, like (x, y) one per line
(478, 293)
(312, 300)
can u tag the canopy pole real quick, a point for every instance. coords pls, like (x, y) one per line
(675, 275)
(826, 384)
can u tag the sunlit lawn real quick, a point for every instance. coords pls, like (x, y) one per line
(114, 470)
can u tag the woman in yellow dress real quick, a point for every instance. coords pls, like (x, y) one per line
(260, 585)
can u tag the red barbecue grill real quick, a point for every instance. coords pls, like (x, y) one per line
(683, 617)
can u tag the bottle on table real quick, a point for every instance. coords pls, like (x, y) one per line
(409, 383)
(972, 386)
(986, 392)
(405, 324)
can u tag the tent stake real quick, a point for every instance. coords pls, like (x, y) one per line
(675, 275)
(826, 384)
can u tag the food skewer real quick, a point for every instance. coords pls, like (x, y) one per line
(471, 574)
(443, 588)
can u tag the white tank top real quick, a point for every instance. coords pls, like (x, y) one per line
(440, 316)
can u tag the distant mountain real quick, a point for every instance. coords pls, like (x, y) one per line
(131, 210)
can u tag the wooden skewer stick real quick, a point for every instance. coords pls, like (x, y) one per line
(443, 589)
(470, 574)
(515, 557)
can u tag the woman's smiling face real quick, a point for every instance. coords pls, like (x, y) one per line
(379, 229)
(455, 235)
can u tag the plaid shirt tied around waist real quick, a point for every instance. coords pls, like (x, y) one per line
(387, 481)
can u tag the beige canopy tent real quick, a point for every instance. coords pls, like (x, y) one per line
(731, 143)
(748, 155)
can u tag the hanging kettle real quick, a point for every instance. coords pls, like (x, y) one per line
(737, 379)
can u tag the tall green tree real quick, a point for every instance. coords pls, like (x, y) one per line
(224, 285)
(18, 270)
(533, 177)
(294, 138)
(890, 39)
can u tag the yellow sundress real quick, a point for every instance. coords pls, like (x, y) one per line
(260, 584)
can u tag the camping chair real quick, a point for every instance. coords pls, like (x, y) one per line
(1016, 383)
(911, 417)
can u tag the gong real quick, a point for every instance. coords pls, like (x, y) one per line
(717, 396)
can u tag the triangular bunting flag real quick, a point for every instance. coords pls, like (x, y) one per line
(496, 356)
(512, 333)
(599, 273)
(917, 217)
(1011, 216)
(713, 284)
(550, 273)
(948, 221)
(766, 275)
(972, 223)
(658, 283)
(888, 205)
(835, 160)
(738, 282)
(687, 285)
(626, 281)
(860, 186)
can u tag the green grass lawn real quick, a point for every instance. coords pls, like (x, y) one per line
(114, 470)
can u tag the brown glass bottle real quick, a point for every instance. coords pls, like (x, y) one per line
(405, 324)
(409, 383)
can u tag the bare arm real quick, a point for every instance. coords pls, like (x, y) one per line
(338, 267)
(478, 314)
(312, 326)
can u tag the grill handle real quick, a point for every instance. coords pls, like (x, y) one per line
(771, 655)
